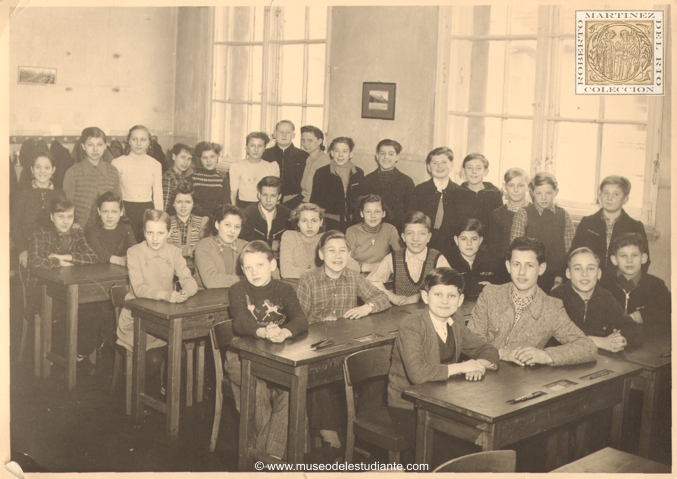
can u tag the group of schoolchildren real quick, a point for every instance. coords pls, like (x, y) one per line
(387, 242)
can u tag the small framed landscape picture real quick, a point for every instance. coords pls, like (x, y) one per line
(37, 76)
(378, 100)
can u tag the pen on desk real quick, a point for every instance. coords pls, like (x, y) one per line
(665, 355)
(318, 343)
(599, 374)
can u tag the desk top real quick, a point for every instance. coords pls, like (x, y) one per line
(90, 273)
(349, 336)
(651, 354)
(611, 460)
(487, 399)
(205, 301)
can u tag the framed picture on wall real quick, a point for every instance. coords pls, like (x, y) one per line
(378, 100)
(37, 76)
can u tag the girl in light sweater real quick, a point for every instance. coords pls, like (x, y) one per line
(298, 249)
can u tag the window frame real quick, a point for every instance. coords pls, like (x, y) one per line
(545, 118)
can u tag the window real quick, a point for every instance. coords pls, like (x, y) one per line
(506, 77)
(269, 64)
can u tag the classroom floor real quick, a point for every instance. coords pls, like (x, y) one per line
(87, 430)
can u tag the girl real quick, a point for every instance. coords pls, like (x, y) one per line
(211, 189)
(246, 174)
(61, 243)
(110, 235)
(140, 178)
(516, 186)
(177, 175)
(298, 249)
(152, 266)
(186, 228)
(372, 239)
(337, 186)
(312, 141)
(216, 256)
(32, 205)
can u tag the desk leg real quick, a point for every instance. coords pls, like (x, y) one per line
(296, 441)
(46, 333)
(71, 335)
(174, 343)
(581, 443)
(139, 362)
(190, 354)
(247, 405)
(424, 437)
(649, 410)
(617, 416)
(200, 370)
(557, 449)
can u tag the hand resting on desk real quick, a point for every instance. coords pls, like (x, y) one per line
(528, 356)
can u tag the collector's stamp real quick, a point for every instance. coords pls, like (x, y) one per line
(619, 52)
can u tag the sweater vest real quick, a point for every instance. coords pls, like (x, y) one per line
(549, 228)
(404, 285)
(448, 348)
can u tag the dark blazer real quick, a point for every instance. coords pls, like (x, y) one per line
(478, 205)
(399, 197)
(650, 297)
(426, 200)
(62, 161)
(483, 269)
(256, 227)
(328, 191)
(591, 232)
(292, 162)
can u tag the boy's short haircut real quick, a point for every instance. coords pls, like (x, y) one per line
(386, 142)
(629, 239)
(205, 146)
(370, 199)
(621, 181)
(92, 132)
(289, 122)
(178, 148)
(543, 178)
(416, 218)
(184, 189)
(60, 205)
(296, 213)
(342, 139)
(444, 276)
(42, 154)
(260, 135)
(270, 182)
(582, 250)
(156, 215)
(471, 224)
(513, 173)
(108, 197)
(523, 243)
(475, 156)
(256, 246)
(441, 150)
(330, 235)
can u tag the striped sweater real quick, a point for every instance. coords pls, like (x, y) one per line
(211, 190)
(196, 228)
(84, 182)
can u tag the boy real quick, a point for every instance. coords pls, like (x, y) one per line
(291, 160)
(518, 318)
(267, 308)
(396, 188)
(549, 223)
(328, 293)
(429, 345)
(477, 198)
(599, 230)
(643, 296)
(409, 265)
(266, 220)
(60, 244)
(246, 174)
(187, 229)
(592, 308)
(468, 259)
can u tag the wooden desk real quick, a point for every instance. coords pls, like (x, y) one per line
(612, 461)
(72, 285)
(296, 366)
(174, 323)
(654, 378)
(478, 412)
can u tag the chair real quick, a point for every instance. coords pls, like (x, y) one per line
(221, 335)
(373, 426)
(37, 338)
(488, 461)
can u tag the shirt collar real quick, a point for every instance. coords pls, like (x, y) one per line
(441, 184)
(36, 187)
(520, 302)
(634, 281)
(441, 327)
(416, 256)
(334, 169)
(150, 253)
(223, 245)
(514, 207)
(268, 215)
(540, 210)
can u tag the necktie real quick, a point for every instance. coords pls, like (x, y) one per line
(440, 212)
(65, 243)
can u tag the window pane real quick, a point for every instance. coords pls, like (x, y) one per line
(218, 122)
(293, 114)
(459, 75)
(315, 117)
(220, 78)
(523, 20)
(258, 23)
(575, 158)
(239, 84)
(236, 132)
(522, 78)
(291, 76)
(494, 93)
(626, 107)
(572, 105)
(316, 74)
(456, 140)
(624, 154)
(516, 148)
(293, 24)
(257, 73)
(243, 24)
(255, 119)
(221, 22)
(318, 22)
